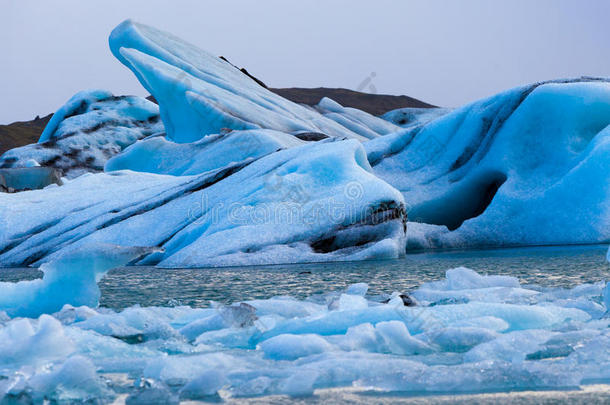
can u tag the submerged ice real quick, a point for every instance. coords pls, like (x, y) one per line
(467, 333)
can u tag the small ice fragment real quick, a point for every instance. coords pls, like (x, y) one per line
(398, 340)
(348, 301)
(151, 392)
(74, 380)
(292, 347)
(240, 316)
(357, 289)
(300, 384)
(206, 384)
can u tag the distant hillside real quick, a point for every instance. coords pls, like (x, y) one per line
(376, 104)
(21, 133)
(26, 132)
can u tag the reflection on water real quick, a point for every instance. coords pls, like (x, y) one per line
(559, 266)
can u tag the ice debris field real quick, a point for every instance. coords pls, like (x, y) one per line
(224, 172)
(466, 333)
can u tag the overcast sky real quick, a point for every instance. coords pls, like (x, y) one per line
(443, 52)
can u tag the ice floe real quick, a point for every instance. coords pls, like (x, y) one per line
(505, 337)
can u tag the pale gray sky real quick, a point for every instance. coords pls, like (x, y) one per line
(443, 52)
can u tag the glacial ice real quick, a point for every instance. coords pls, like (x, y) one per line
(89, 129)
(158, 155)
(200, 94)
(71, 279)
(412, 117)
(236, 175)
(527, 166)
(314, 202)
(287, 346)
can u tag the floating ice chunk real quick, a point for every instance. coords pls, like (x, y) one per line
(357, 289)
(70, 279)
(179, 370)
(86, 132)
(459, 339)
(286, 307)
(75, 380)
(606, 296)
(200, 94)
(350, 301)
(511, 347)
(206, 384)
(464, 285)
(490, 294)
(300, 383)
(200, 326)
(397, 340)
(152, 392)
(484, 156)
(291, 347)
(487, 322)
(25, 341)
(360, 337)
(462, 278)
(133, 325)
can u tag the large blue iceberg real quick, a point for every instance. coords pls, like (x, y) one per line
(233, 174)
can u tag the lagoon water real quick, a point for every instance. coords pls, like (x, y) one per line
(544, 266)
(555, 266)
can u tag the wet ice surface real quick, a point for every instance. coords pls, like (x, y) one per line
(469, 333)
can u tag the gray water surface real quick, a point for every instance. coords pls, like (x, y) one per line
(557, 266)
(546, 266)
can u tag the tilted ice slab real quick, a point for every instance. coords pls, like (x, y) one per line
(477, 334)
(200, 94)
(314, 202)
(528, 166)
(89, 129)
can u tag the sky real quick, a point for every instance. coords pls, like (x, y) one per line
(447, 53)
